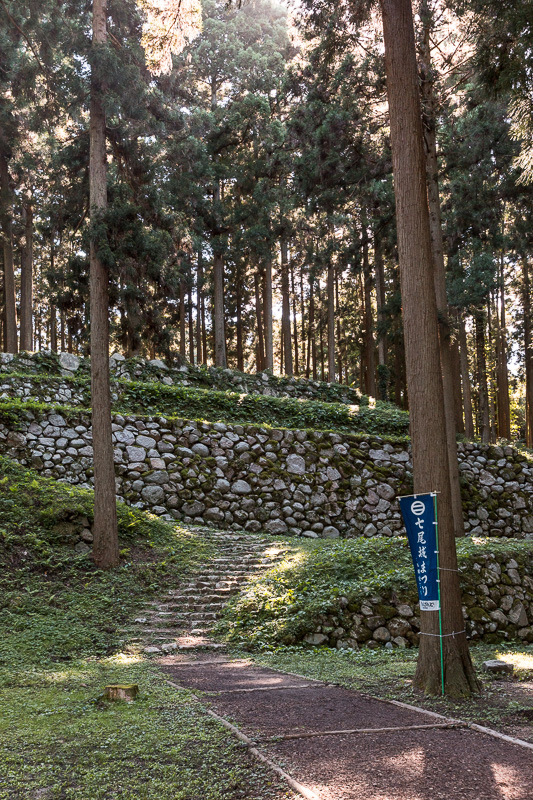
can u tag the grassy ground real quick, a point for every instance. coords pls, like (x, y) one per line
(282, 605)
(505, 704)
(61, 643)
(58, 740)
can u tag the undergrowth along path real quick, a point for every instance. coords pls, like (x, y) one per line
(186, 617)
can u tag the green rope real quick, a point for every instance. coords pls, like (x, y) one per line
(438, 595)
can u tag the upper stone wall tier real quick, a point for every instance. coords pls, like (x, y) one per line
(186, 375)
(299, 482)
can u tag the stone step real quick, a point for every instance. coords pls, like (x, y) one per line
(190, 608)
(198, 606)
(184, 594)
(204, 597)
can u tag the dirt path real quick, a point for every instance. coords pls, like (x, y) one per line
(341, 745)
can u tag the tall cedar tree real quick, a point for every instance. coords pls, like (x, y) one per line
(428, 423)
(105, 531)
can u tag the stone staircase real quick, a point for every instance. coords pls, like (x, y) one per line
(185, 618)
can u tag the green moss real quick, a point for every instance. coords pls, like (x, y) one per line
(289, 600)
(54, 604)
(153, 397)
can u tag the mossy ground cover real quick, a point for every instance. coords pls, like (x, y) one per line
(282, 605)
(505, 704)
(58, 739)
(54, 603)
(61, 643)
(152, 397)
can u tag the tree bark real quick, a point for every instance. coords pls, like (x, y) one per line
(492, 367)
(431, 470)
(6, 223)
(465, 377)
(295, 324)
(240, 349)
(182, 317)
(457, 395)
(269, 336)
(302, 315)
(331, 321)
(370, 360)
(483, 391)
(339, 328)
(53, 329)
(191, 322)
(62, 330)
(382, 338)
(311, 340)
(105, 529)
(218, 311)
(199, 302)
(439, 270)
(260, 346)
(53, 315)
(528, 350)
(286, 309)
(504, 409)
(26, 281)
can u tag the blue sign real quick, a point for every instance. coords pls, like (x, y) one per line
(418, 512)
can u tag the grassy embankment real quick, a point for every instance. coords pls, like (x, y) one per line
(62, 642)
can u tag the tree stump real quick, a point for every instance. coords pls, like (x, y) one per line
(126, 692)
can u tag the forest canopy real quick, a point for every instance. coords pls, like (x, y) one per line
(250, 217)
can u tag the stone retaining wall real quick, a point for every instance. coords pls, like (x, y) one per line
(139, 369)
(498, 604)
(298, 482)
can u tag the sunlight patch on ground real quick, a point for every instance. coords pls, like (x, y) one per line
(413, 761)
(518, 660)
(509, 782)
(124, 659)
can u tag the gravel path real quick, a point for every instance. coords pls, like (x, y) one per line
(391, 753)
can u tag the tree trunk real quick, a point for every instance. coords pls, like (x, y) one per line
(311, 340)
(260, 359)
(26, 281)
(465, 376)
(339, 328)
(483, 391)
(105, 530)
(457, 396)
(439, 271)
(6, 222)
(53, 315)
(331, 321)
(491, 368)
(191, 323)
(295, 325)
(199, 303)
(320, 329)
(528, 351)
(269, 336)
(370, 360)
(240, 350)
(218, 311)
(62, 330)
(285, 309)
(504, 409)
(383, 372)
(302, 316)
(431, 471)
(53, 329)
(182, 317)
